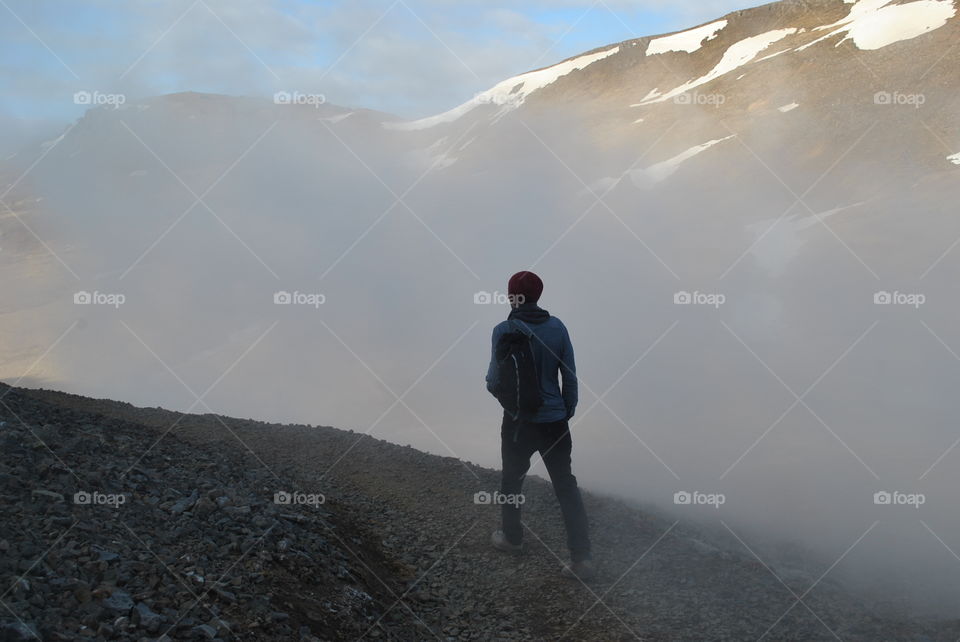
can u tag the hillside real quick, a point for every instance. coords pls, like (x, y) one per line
(199, 549)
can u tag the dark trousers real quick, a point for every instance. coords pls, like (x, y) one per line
(518, 442)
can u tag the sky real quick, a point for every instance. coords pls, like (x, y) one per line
(408, 57)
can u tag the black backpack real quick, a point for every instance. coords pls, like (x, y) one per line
(518, 390)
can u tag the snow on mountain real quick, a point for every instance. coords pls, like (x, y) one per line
(735, 57)
(731, 70)
(657, 173)
(662, 171)
(688, 41)
(874, 24)
(512, 92)
(868, 24)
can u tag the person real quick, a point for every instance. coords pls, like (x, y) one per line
(547, 431)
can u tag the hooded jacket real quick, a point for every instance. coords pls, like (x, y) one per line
(553, 357)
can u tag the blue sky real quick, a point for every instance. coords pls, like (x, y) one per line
(409, 57)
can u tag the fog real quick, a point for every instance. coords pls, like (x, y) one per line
(798, 398)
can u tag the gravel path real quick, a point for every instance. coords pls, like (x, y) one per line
(200, 549)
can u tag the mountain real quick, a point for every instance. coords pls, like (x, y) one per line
(747, 226)
(805, 76)
(841, 95)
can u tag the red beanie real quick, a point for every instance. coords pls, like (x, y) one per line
(526, 284)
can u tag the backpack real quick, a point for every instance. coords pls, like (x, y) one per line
(518, 388)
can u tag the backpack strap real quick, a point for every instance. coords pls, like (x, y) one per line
(522, 327)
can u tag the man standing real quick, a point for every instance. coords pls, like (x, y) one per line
(546, 430)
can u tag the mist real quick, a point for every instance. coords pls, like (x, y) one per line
(784, 386)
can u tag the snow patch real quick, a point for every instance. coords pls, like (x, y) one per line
(654, 93)
(874, 24)
(789, 107)
(774, 55)
(649, 177)
(735, 57)
(955, 159)
(688, 41)
(646, 178)
(509, 94)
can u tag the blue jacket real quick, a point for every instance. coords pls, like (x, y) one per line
(552, 354)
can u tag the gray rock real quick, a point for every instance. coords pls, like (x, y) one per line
(82, 592)
(147, 618)
(205, 506)
(105, 555)
(237, 510)
(224, 594)
(119, 602)
(185, 504)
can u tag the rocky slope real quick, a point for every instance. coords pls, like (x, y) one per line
(199, 548)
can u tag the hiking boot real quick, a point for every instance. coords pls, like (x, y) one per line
(500, 542)
(583, 571)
